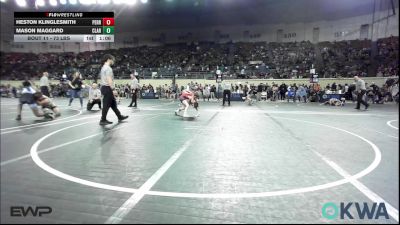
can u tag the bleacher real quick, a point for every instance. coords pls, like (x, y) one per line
(237, 60)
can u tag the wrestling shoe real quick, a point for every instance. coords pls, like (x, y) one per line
(49, 116)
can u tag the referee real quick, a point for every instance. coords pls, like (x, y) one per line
(134, 89)
(107, 84)
(360, 90)
(44, 84)
(226, 94)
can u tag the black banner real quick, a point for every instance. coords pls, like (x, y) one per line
(58, 30)
(63, 15)
(58, 22)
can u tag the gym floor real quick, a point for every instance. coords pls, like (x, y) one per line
(272, 162)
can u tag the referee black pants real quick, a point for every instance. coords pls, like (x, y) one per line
(134, 98)
(360, 99)
(108, 101)
(226, 95)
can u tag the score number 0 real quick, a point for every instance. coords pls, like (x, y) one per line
(108, 21)
(108, 25)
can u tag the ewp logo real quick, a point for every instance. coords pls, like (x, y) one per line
(19, 211)
(331, 211)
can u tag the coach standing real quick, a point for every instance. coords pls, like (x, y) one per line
(107, 84)
(44, 84)
(360, 90)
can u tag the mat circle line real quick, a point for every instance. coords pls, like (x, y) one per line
(369, 169)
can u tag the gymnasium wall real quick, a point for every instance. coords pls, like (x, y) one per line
(182, 82)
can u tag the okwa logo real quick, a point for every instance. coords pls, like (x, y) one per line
(364, 210)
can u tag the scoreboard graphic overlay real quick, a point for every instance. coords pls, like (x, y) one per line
(64, 26)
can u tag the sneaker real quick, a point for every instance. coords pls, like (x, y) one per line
(129, 106)
(366, 107)
(105, 122)
(122, 118)
(135, 106)
(18, 117)
(357, 108)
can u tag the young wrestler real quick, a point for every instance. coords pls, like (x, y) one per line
(27, 98)
(250, 96)
(186, 98)
(195, 103)
(50, 110)
(335, 102)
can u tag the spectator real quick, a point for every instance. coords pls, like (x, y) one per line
(75, 85)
